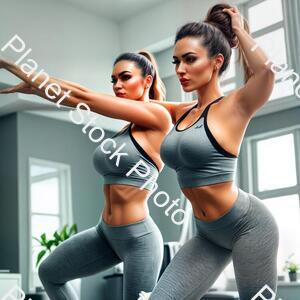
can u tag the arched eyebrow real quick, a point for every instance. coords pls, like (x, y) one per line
(184, 55)
(120, 74)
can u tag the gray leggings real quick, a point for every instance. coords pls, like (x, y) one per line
(247, 234)
(139, 245)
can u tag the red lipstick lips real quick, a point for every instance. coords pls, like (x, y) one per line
(120, 94)
(184, 81)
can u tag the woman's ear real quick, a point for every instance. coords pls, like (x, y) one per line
(219, 60)
(148, 81)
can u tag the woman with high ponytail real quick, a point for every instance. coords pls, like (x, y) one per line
(203, 147)
(130, 164)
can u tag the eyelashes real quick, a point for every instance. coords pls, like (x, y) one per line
(188, 60)
(123, 78)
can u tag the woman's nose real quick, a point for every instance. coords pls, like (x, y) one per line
(118, 84)
(180, 68)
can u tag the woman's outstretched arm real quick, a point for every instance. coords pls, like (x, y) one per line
(60, 91)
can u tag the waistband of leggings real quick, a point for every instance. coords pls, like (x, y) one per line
(238, 210)
(126, 231)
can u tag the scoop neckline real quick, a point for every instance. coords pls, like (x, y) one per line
(188, 111)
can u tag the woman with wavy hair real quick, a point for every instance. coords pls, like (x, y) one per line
(203, 148)
(125, 232)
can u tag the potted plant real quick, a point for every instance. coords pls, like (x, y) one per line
(58, 238)
(292, 268)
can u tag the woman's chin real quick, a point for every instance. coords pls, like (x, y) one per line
(187, 88)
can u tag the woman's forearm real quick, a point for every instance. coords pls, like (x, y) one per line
(72, 84)
(255, 56)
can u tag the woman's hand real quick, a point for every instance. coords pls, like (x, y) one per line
(22, 87)
(237, 20)
(2, 63)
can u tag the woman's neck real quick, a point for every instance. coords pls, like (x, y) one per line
(208, 93)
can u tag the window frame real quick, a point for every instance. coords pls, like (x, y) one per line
(65, 203)
(248, 160)
(284, 102)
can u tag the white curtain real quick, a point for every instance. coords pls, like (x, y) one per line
(291, 12)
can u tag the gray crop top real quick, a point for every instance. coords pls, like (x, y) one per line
(195, 154)
(121, 154)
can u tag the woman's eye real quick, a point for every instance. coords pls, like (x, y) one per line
(190, 59)
(113, 81)
(175, 62)
(126, 77)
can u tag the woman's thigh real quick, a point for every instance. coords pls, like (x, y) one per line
(255, 250)
(142, 264)
(83, 254)
(192, 271)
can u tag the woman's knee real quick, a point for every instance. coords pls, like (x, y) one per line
(46, 270)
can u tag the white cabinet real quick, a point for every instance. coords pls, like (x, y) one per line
(9, 281)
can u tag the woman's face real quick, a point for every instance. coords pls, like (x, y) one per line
(128, 81)
(193, 67)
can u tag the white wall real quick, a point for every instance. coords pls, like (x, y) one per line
(66, 41)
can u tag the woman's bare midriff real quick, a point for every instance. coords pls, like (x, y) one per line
(212, 201)
(124, 204)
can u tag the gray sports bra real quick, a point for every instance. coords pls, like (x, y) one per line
(121, 160)
(195, 154)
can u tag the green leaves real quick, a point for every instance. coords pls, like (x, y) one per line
(73, 229)
(40, 256)
(59, 237)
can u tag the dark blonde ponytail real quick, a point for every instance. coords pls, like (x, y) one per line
(157, 89)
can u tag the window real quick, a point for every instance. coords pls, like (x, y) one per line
(274, 173)
(277, 175)
(276, 170)
(286, 210)
(50, 205)
(268, 29)
(258, 17)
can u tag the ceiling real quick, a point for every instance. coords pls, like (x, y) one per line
(116, 10)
